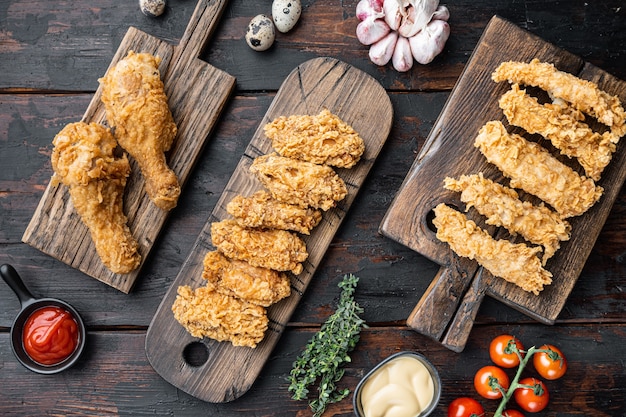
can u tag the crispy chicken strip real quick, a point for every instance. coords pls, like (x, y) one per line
(321, 139)
(502, 207)
(261, 286)
(206, 313)
(136, 106)
(267, 248)
(571, 136)
(261, 210)
(299, 182)
(532, 168)
(514, 262)
(584, 95)
(83, 160)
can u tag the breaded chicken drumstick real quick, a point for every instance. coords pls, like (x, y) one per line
(83, 160)
(136, 106)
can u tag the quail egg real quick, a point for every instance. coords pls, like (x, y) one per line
(152, 8)
(286, 14)
(260, 33)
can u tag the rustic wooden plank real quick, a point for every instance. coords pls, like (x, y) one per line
(197, 93)
(230, 371)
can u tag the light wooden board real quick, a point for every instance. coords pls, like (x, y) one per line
(197, 92)
(443, 313)
(229, 372)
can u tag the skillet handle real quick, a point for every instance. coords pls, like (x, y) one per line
(13, 279)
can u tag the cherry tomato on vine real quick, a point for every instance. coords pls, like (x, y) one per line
(512, 413)
(532, 399)
(487, 379)
(550, 365)
(465, 407)
(502, 350)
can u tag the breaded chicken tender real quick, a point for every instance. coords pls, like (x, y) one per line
(261, 210)
(583, 94)
(279, 250)
(136, 106)
(502, 207)
(321, 139)
(532, 168)
(261, 286)
(568, 134)
(515, 262)
(83, 160)
(299, 182)
(206, 313)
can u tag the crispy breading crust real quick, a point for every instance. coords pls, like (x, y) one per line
(534, 170)
(299, 182)
(261, 286)
(261, 210)
(206, 313)
(136, 105)
(502, 207)
(321, 139)
(83, 160)
(571, 136)
(515, 262)
(267, 248)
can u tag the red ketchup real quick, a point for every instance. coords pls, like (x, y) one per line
(50, 335)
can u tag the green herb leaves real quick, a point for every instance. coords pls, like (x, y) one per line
(327, 351)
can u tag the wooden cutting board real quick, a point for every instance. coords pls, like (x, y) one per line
(197, 92)
(448, 307)
(229, 371)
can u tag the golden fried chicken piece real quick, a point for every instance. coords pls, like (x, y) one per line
(136, 106)
(321, 139)
(502, 207)
(514, 262)
(83, 160)
(206, 313)
(584, 95)
(267, 248)
(532, 168)
(261, 210)
(568, 134)
(299, 182)
(261, 286)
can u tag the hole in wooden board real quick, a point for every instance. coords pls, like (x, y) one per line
(195, 354)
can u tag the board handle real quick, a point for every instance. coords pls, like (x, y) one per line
(201, 26)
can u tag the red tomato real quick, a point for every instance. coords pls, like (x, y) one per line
(487, 380)
(465, 407)
(512, 413)
(503, 352)
(550, 365)
(532, 399)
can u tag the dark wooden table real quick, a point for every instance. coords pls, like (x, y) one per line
(51, 54)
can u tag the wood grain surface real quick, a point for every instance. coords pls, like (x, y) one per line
(197, 93)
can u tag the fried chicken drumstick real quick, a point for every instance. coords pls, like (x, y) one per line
(83, 160)
(136, 106)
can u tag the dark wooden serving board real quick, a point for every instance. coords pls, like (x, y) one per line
(197, 92)
(229, 371)
(448, 307)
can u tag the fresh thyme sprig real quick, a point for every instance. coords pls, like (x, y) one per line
(327, 351)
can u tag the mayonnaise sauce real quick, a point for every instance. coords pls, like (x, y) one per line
(402, 387)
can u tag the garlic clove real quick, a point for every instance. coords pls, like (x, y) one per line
(429, 43)
(402, 58)
(442, 13)
(381, 52)
(417, 15)
(369, 9)
(371, 31)
(393, 13)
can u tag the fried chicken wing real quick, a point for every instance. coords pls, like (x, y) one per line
(532, 168)
(583, 94)
(279, 250)
(261, 286)
(83, 160)
(571, 136)
(515, 262)
(204, 312)
(299, 182)
(321, 139)
(136, 106)
(261, 210)
(502, 207)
